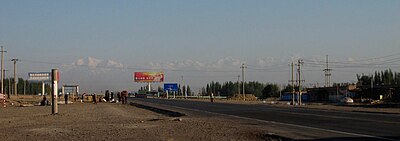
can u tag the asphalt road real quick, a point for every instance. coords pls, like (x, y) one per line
(369, 126)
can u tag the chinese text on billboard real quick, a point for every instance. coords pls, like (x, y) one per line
(148, 76)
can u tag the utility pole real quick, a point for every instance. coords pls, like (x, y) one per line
(327, 74)
(2, 68)
(4, 74)
(24, 87)
(292, 68)
(372, 86)
(280, 91)
(300, 62)
(238, 81)
(9, 87)
(15, 76)
(243, 81)
(337, 93)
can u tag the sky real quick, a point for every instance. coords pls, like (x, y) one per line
(98, 44)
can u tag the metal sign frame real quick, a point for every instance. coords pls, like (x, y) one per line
(171, 87)
(39, 76)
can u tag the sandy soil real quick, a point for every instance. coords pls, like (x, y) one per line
(114, 121)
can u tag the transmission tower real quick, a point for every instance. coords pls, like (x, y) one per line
(299, 63)
(327, 74)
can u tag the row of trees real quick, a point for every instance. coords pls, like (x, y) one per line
(24, 86)
(261, 90)
(265, 90)
(382, 78)
(382, 83)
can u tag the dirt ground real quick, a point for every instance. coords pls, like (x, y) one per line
(114, 121)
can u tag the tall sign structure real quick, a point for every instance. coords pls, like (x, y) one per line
(40, 77)
(55, 76)
(148, 77)
(171, 88)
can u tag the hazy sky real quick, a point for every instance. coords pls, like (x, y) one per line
(99, 44)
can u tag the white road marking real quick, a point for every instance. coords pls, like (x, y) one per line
(338, 117)
(288, 124)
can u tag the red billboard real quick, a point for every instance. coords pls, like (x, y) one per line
(148, 76)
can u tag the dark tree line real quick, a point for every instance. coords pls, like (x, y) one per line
(382, 78)
(183, 89)
(260, 90)
(381, 83)
(30, 87)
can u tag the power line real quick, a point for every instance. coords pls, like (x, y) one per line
(379, 57)
(273, 68)
(375, 65)
(366, 62)
(131, 68)
(267, 70)
(358, 60)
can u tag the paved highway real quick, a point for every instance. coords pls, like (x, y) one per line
(366, 125)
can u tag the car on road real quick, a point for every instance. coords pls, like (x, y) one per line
(346, 100)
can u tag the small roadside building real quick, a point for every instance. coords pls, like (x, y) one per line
(332, 94)
(288, 96)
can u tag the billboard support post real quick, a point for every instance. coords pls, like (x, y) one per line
(63, 91)
(42, 77)
(149, 85)
(54, 78)
(43, 88)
